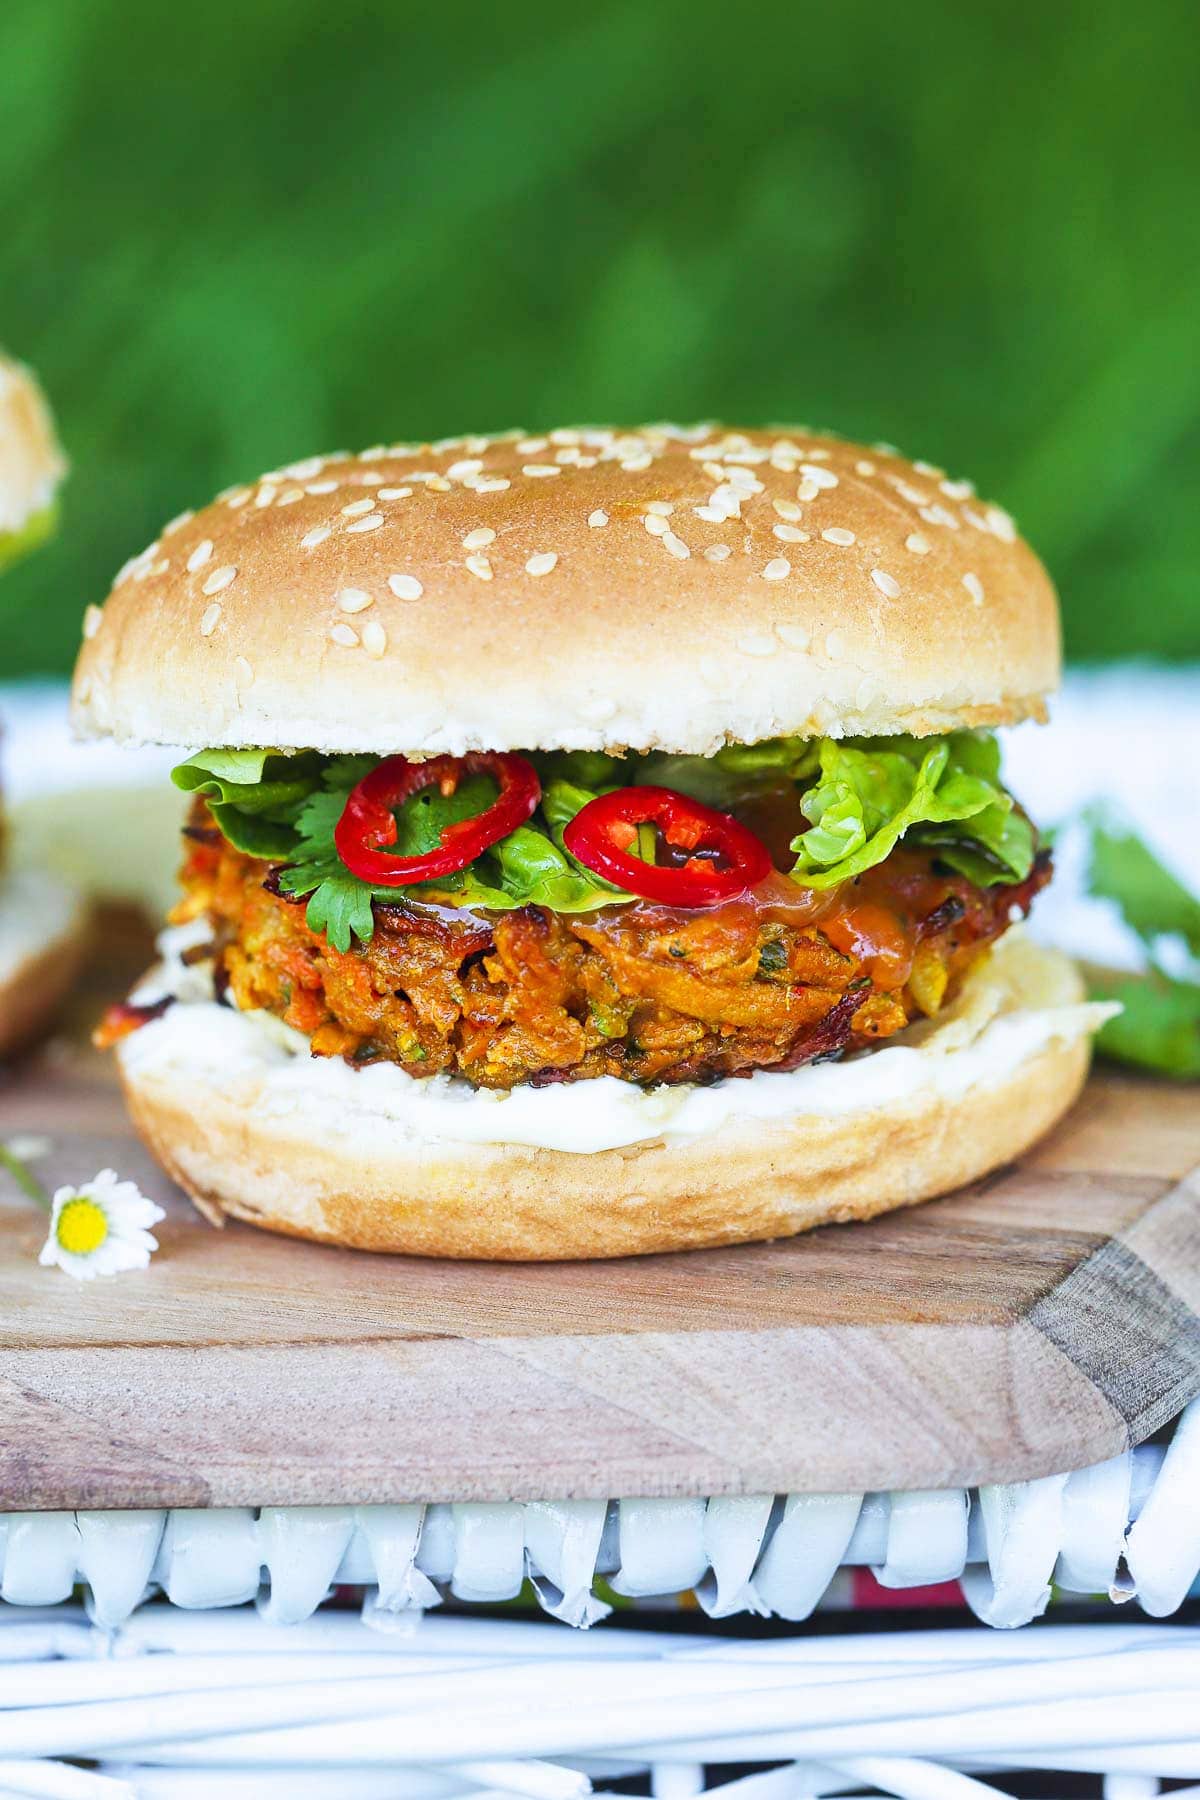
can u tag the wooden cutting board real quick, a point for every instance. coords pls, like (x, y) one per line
(1042, 1320)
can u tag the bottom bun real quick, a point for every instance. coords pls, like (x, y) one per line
(43, 939)
(302, 1147)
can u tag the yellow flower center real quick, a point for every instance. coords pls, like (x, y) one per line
(82, 1226)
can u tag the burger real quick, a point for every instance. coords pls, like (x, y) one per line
(41, 920)
(596, 845)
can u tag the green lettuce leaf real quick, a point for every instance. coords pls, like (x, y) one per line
(945, 791)
(253, 795)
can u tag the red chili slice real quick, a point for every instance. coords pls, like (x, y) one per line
(368, 825)
(726, 859)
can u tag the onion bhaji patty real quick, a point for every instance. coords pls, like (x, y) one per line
(634, 991)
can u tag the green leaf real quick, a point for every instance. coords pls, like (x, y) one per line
(1153, 901)
(733, 774)
(1159, 1028)
(945, 791)
(254, 781)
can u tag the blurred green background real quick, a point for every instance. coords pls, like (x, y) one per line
(236, 235)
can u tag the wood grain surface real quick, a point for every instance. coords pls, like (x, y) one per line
(1042, 1320)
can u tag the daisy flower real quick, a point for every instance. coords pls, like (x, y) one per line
(100, 1228)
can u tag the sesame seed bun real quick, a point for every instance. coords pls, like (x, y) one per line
(312, 1166)
(664, 589)
(31, 463)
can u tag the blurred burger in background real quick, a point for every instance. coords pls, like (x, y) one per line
(41, 919)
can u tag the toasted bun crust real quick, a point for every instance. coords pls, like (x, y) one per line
(667, 589)
(749, 1181)
(31, 463)
(32, 993)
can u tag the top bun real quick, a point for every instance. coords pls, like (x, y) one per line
(31, 463)
(672, 589)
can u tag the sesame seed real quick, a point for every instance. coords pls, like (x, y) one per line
(718, 552)
(220, 579)
(928, 468)
(957, 490)
(824, 478)
(374, 638)
(756, 643)
(396, 493)
(794, 636)
(344, 635)
(531, 446)
(791, 534)
(938, 515)
(787, 509)
(598, 519)
(914, 495)
(200, 555)
(316, 536)
(369, 478)
(675, 545)
(243, 674)
(209, 622)
(321, 487)
(437, 484)
(480, 566)
(290, 495)
(179, 519)
(91, 621)
(541, 469)
(371, 522)
(265, 494)
(974, 587)
(490, 484)
(712, 515)
(303, 471)
(837, 534)
(778, 569)
(356, 507)
(863, 467)
(238, 497)
(656, 525)
(405, 587)
(469, 465)
(917, 544)
(479, 538)
(663, 507)
(887, 584)
(542, 563)
(808, 490)
(354, 599)
(1001, 524)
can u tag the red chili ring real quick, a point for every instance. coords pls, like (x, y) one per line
(601, 832)
(368, 825)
